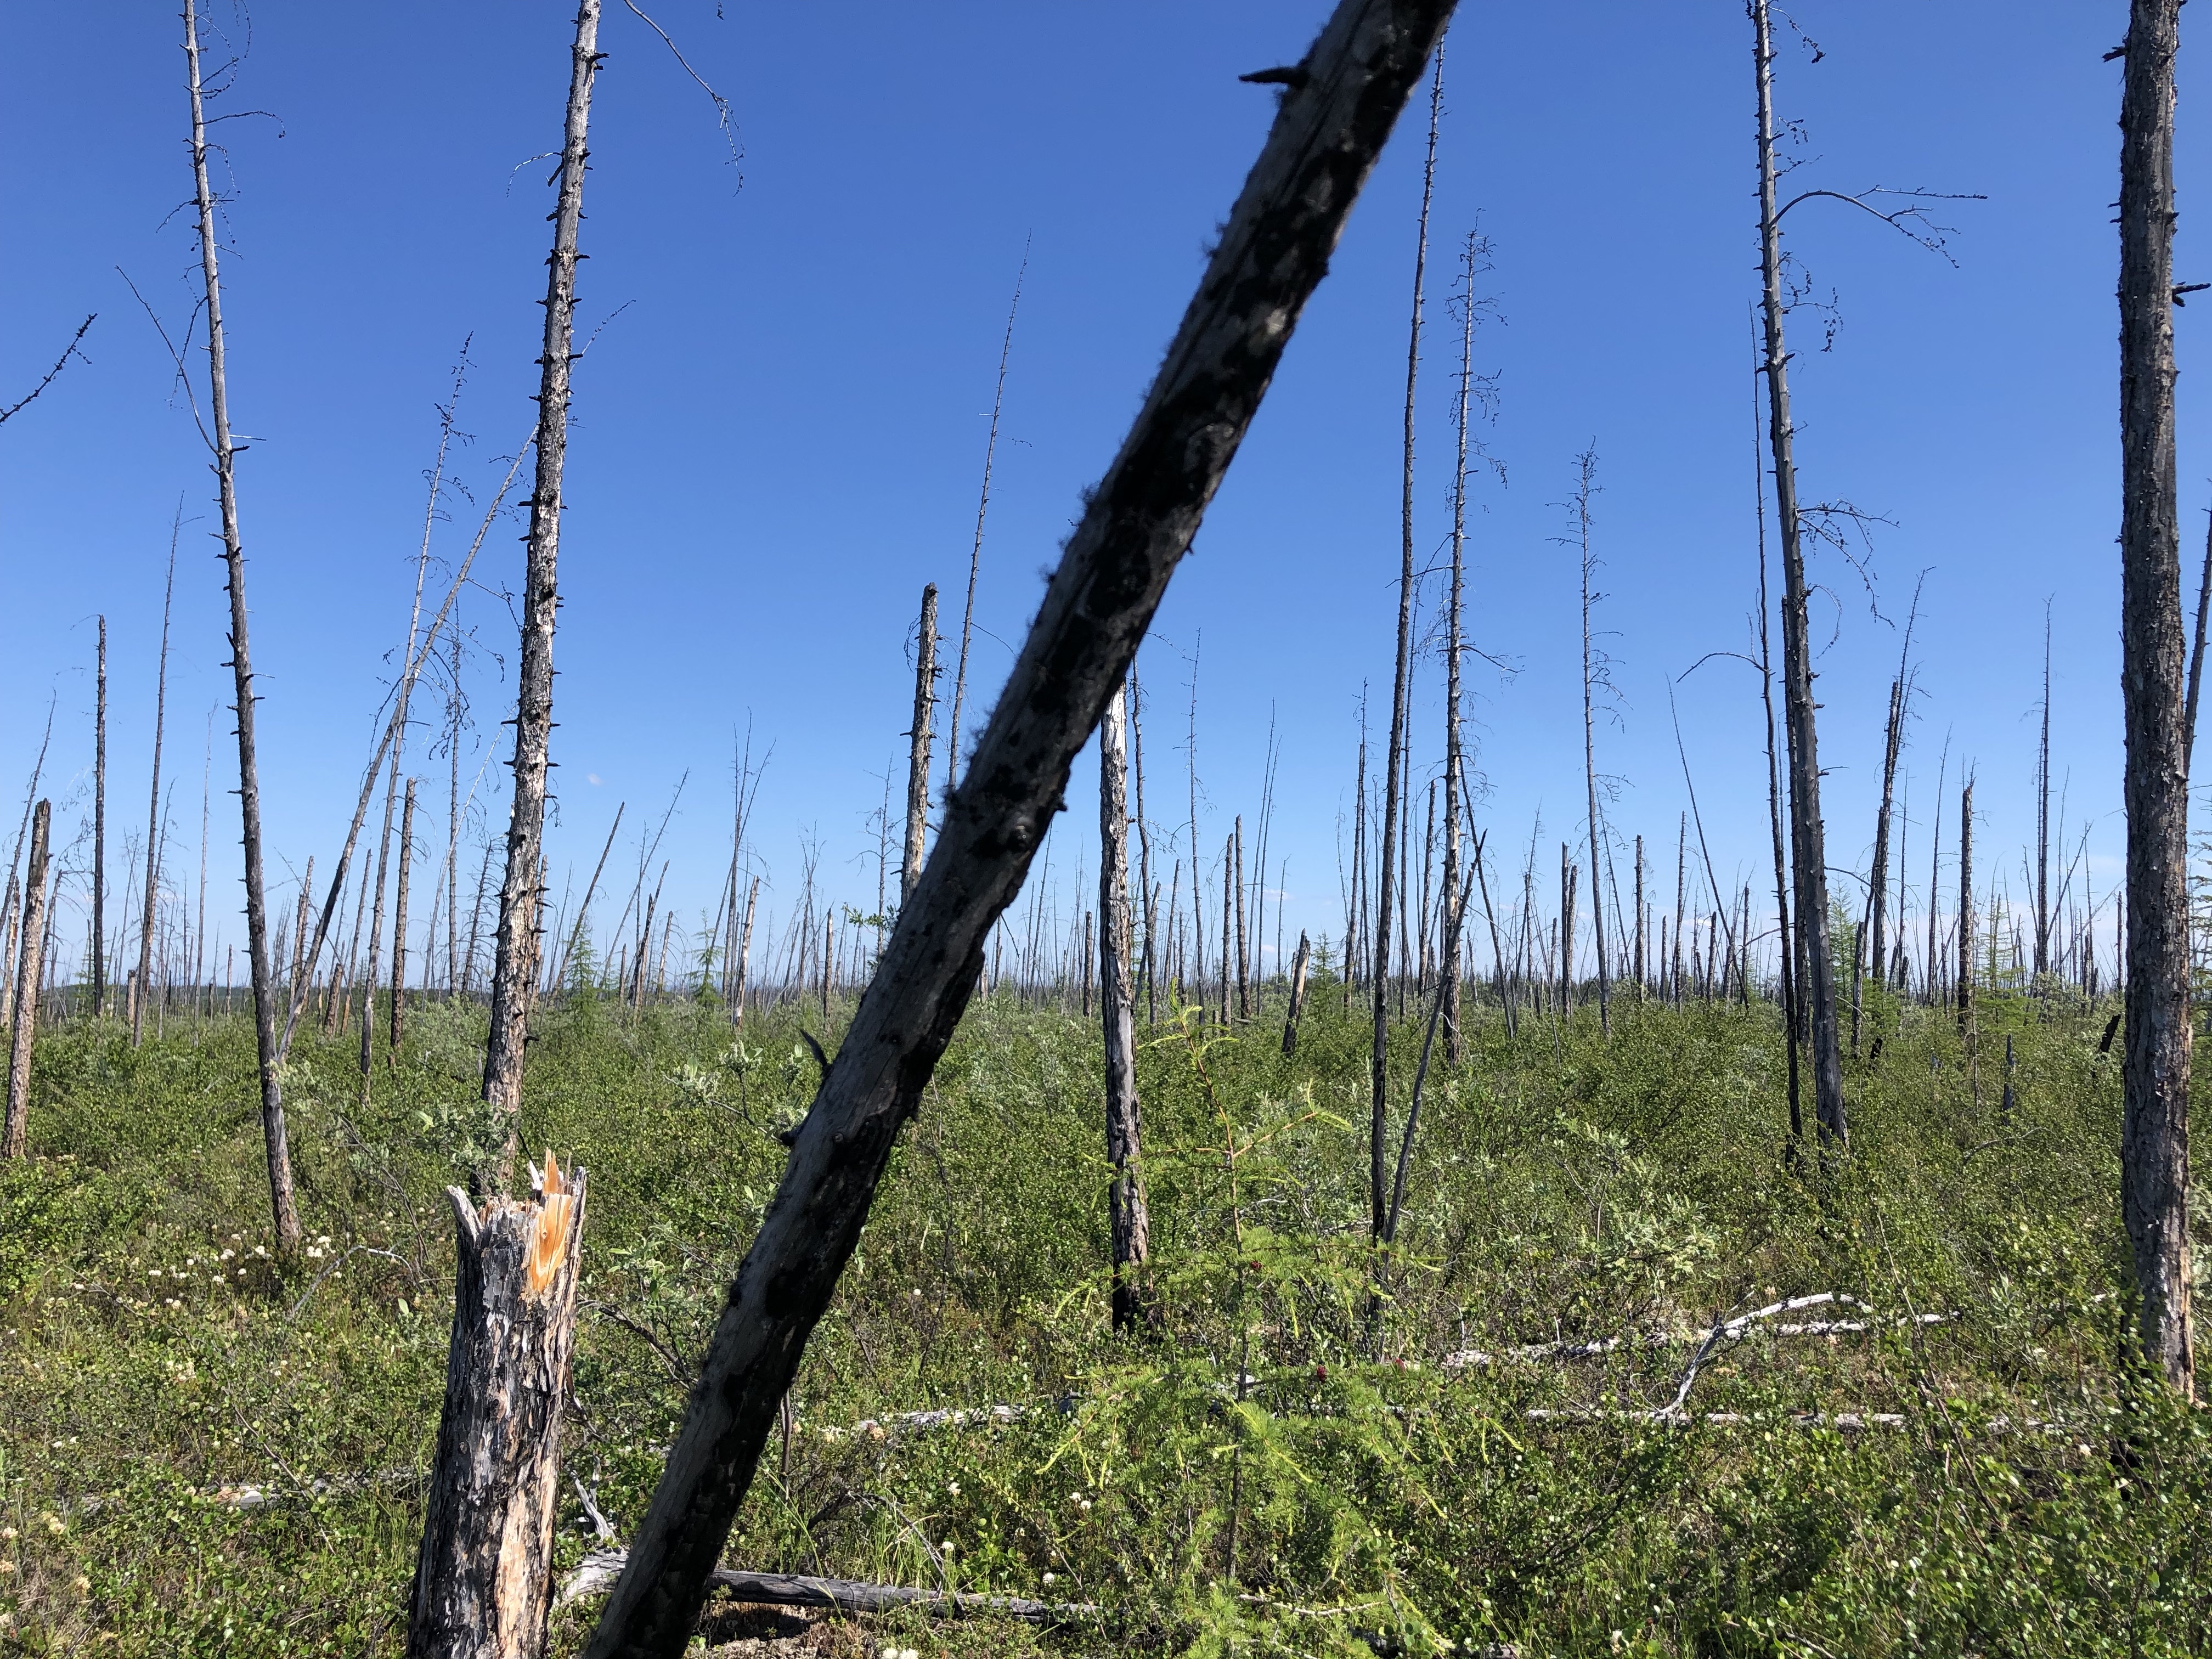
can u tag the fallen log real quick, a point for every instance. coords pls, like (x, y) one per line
(600, 1570)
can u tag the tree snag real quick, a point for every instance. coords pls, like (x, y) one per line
(283, 1211)
(484, 1575)
(1132, 1229)
(30, 974)
(2155, 1141)
(516, 943)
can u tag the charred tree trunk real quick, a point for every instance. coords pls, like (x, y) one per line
(1332, 122)
(283, 1211)
(917, 771)
(1584, 487)
(484, 1575)
(30, 976)
(100, 834)
(1966, 910)
(515, 944)
(1456, 649)
(2154, 1145)
(1298, 966)
(1125, 1196)
(1400, 687)
(1808, 838)
(399, 925)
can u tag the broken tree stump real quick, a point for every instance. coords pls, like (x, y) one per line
(483, 1582)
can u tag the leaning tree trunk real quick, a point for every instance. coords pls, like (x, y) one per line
(1808, 838)
(30, 974)
(1131, 1228)
(284, 1212)
(1331, 123)
(2154, 1145)
(1967, 913)
(515, 944)
(917, 772)
(484, 1574)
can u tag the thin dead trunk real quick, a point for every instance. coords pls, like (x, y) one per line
(1808, 838)
(154, 797)
(976, 553)
(1331, 123)
(100, 832)
(917, 771)
(1456, 648)
(1966, 910)
(2196, 650)
(515, 948)
(1401, 687)
(2043, 808)
(283, 1211)
(483, 1573)
(2155, 1141)
(1299, 964)
(400, 926)
(30, 976)
(583, 910)
(1591, 669)
(1125, 1195)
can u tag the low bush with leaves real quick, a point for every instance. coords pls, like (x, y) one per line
(1528, 1425)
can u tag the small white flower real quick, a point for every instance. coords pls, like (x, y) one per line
(890, 1651)
(1050, 1578)
(948, 1546)
(953, 1486)
(908, 1653)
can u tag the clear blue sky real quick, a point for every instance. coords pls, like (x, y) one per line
(779, 436)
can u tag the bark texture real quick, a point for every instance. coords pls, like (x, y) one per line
(2154, 1144)
(1808, 835)
(1136, 526)
(516, 943)
(917, 771)
(283, 1210)
(483, 1576)
(1125, 1197)
(30, 974)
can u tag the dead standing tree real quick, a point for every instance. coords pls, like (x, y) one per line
(30, 974)
(1394, 801)
(154, 807)
(283, 1210)
(1336, 113)
(515, 944)
(925, 717)
(2155, 1141)
(1132, 1231)
(1808, 841)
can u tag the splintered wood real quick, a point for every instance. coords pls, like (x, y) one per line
(483, 1577)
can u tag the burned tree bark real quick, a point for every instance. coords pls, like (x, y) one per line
(399, 924)
(1333, 121)
(283, 1211)
(917, 773)
(515, 944)
(1393, 800)
(100, 834)
(1966, 910)
(483, 1573)
(30, 974)
(1125, 1197)
(1299, 964)
(2155, 1141)
(1808, 838)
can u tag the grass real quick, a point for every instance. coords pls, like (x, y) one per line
(206, 1451)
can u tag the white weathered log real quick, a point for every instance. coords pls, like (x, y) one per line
(483, 1577)
(600, 1570)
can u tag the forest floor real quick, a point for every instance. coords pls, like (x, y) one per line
(1546, 1437)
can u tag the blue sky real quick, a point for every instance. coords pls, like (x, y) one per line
(781, 425)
